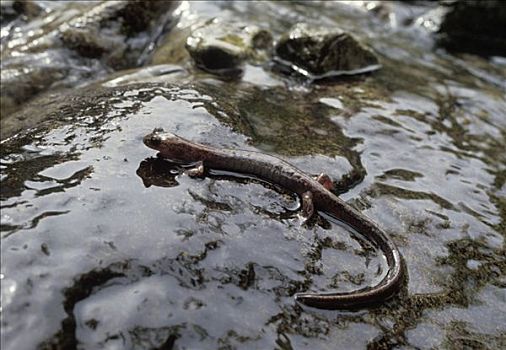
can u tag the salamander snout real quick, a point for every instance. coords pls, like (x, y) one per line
(154, 139)
(160, 138)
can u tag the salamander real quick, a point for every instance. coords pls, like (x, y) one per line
(315, 195)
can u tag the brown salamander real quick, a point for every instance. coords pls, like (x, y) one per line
(314, 194)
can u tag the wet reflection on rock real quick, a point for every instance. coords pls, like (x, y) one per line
(158, 172)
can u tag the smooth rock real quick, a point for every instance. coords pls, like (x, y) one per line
(221, 48)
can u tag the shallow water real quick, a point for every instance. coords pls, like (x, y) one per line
(106, 247)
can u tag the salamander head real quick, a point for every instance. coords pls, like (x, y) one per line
(169, 145)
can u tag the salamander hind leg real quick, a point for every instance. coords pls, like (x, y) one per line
(325, 181)
(197, 170)
(307, 210)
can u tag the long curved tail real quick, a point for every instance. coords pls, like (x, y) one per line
(385, 289)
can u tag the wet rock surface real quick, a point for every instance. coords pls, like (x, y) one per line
(104, 245)
(321, 52)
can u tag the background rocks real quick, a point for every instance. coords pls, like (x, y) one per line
(475, 26)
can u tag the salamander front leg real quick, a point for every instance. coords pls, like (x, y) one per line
(307, 210)
(325, 181)
(197, 170)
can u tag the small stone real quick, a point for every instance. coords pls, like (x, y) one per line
(221, 48)
(318, 52)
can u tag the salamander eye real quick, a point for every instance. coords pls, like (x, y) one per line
(155, 140)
